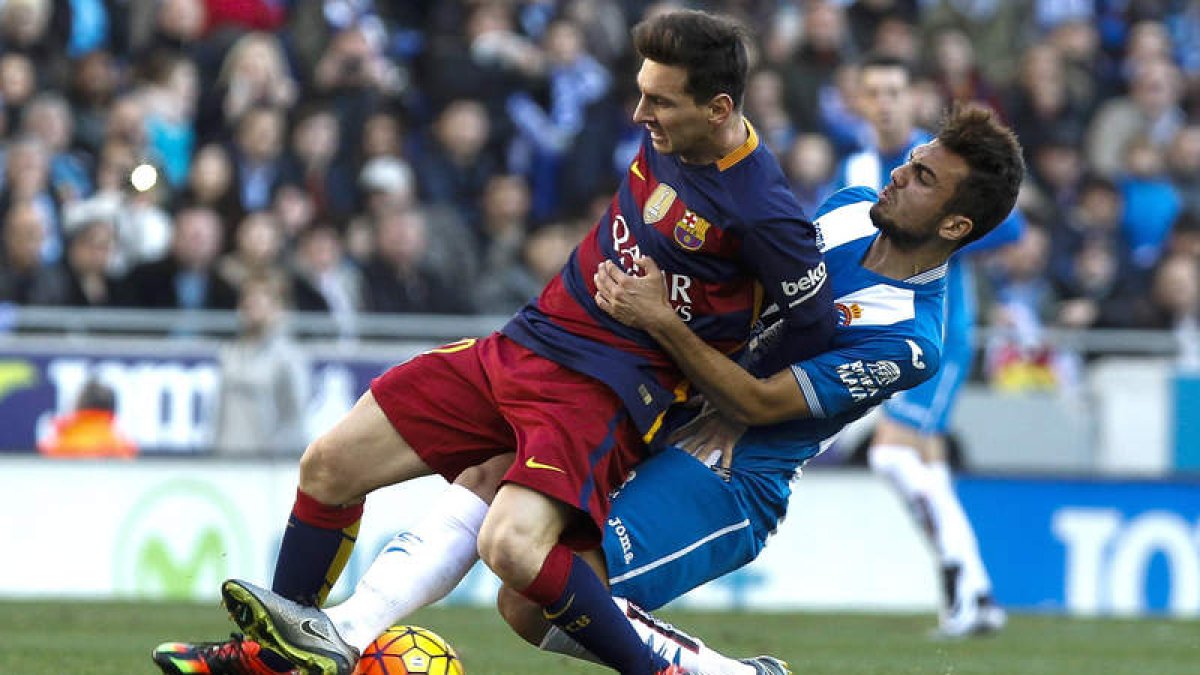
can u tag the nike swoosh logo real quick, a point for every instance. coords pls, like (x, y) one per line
(308, 626)
(554, 615)
(534, 464)
(635, 170)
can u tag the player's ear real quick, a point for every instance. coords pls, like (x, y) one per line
(956, 227)
(720, 107)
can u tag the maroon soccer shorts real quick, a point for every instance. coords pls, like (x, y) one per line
(467, 401)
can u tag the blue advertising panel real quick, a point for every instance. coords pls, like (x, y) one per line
(1089, 546)
(165, 402)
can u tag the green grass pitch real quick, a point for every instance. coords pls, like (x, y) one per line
(61, 638)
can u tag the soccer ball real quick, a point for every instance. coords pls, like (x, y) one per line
(409, 650)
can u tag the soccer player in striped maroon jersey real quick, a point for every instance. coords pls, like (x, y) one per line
(578, 396)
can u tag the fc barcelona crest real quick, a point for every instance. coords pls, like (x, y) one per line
(690, 231)
(658, 204)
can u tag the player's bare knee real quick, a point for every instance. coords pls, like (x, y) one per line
(521, 528)
(522, 615)
(499, 548)
(484, 479)
(322, 475)
(510, 550)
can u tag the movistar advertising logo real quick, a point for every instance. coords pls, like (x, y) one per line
(16, 375)
(179, 542)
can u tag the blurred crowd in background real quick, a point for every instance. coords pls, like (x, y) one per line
(443, 156)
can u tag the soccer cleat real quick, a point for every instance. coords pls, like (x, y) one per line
(977, 616)
(303, 635)
(969, 609)
(236, 656)
(672, 670)
(767, 665)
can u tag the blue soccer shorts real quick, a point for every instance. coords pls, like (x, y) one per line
(674, 525)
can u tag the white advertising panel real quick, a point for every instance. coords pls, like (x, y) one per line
(173, 529)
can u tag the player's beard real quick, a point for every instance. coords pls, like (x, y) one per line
(900, 237)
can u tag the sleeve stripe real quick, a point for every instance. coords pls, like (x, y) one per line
(809, 391)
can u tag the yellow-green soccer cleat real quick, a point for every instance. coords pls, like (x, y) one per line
(303, 635)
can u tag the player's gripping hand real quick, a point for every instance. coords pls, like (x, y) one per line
(636, 301)
(710, 438)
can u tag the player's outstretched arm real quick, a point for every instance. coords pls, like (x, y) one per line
(641, 302)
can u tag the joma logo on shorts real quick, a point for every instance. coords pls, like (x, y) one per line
(622, 536)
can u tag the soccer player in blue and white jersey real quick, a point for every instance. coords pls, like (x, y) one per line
(909, 445)
(679, 523)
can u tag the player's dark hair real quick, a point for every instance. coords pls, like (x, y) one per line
(712, 49)
(995, 166)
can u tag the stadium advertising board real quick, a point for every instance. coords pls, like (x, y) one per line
(173, 396)
(173, 528)
(164, 402)
(1090, 547)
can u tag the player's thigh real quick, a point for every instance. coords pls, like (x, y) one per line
(674, 525)
(361, 452)
(484, 479)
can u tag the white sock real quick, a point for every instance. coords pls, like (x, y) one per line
(668, 641)
(904, 470)
(418, 567)
(956, 543)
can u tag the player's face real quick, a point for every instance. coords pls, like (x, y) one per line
(677, 124)
(911, 207)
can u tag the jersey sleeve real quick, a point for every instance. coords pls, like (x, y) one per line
(868, 372)
(784, 257)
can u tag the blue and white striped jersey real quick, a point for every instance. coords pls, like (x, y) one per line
(888, 338)
(873, 169)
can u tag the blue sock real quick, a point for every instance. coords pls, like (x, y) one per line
(315, 548)
(584, 610)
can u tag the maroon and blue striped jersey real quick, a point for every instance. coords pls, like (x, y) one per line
(730, 237)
